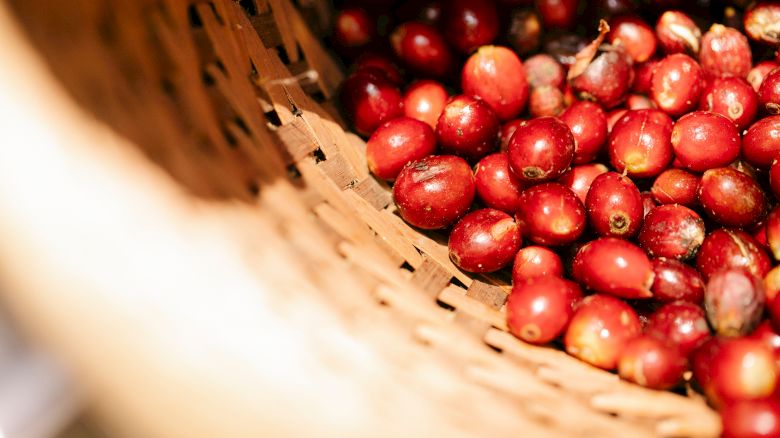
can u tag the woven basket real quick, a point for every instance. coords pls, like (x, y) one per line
(244, 275)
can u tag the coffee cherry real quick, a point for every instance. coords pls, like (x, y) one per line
(614, 206)
(539, 309)
(672, 231)
(614, 266)
(536, 261)
(725, 248)
(496, 186)
(551, 214)
(681, 323)
(496, 75)
(541, 150)
(425, 100)
(676, 281)
(396, 143)
(484, 240)
(467, 127)
(704, 140)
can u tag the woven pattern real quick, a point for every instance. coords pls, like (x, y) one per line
(233, 99)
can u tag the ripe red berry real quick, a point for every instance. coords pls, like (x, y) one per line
(496, 75)
(425, 100)
(469, 24)
(731, 197)
(680, 323)
(640, 144)
(600, 329)
(674, 280)
(374, 62)
(634, 36)
(557, 13)
(761, 143)
(507, 131)
(434, 192)
(426, 11)
(760, 21)
(759, 71)
(672, 231)
(546, 101)
(353, 27)
(541, 150)
(550, 214)
(467, 127)
(539, 309)
(543, 69)
(677, 84)
(652, 363)
(676, 186)
(751, 418)
(725, 52)
(496, 186)
(396, 143)
(767, 334)
(614, 266)
(421, 48)
(734, 301)
(677, 33)
(731, 97)
(704, 140)
(578, 179)
(724, 248)
(484, 240)
(614, 206)
(370, 99)
(536, 261)
(588, 125)
(769, 92)
(643, 76)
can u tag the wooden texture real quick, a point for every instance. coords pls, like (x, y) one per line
(215, 95)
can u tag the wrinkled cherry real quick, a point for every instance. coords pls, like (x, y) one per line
(496, 75)
(496, 186)
(541, 149)
(606, 79)
(434, 192)
(734, 301)
(546, 101)
(543, 69)
(614, 266)
(551, 214)
(484, 240)
(600, 329)
(539, 309)
(467, 127)
(704, 140)
(614, 206)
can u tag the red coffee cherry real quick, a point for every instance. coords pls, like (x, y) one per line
(634, 36)
(640, 143)
(422, 49)
(541, 150)
(536, 261)
(467, 127)
(677, 33)
(676, 186)
(731, 197)
(539, 309)
(731, 97)
(396, 143)
(496, 75)
(425, 100)
(550, 214)
(680, 323)
(677, 84)
(614, 206)
(676, 281)
(370, 99)
(588, 125)
(484, 240)
(724, 248)
(496, 185)
(614, 266)
(578, 179)
(725, 52)
(704, 140)
(672, 231)
(469, 24)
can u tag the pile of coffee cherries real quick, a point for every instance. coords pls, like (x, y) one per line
(620, 158)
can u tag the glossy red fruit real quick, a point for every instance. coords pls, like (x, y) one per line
(373, 61)
(643, 76)
(773, 232)
(469, 24)
(677, 84)
(370, 99)
(725, 52)
(734, 369)
(542, 69)
(639, 101)
(557, 13)
(761, 143)
(484, 240)
(751, 419)
(539, 309)
(731, 197)
(674, 280)
(434, 192)
(774, 178)
(427, 11)
(524, 30)
(496, 186)
(614, 266)
(760, 21)
(541, 149)
(425, 100)
(354, 27)
(422, 49)
(634, 36)
(614, 206)
(672, 231)
(731, 97)
(467, 127)
(588, 125)
(550, 214)
(396, 143)
(759, 71)
(606, 79)
(652, 363)
(677, 33)
(734, 301)
(681, 323)
(536, 261)
(769, 92)
(640, 143)
(578, 179)
(613, 117)
(704, 140)
(507, 131)
(600, 329)
(546, 101)
(723, 249)
(496, 75)
(769, 336)
(676, 186)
